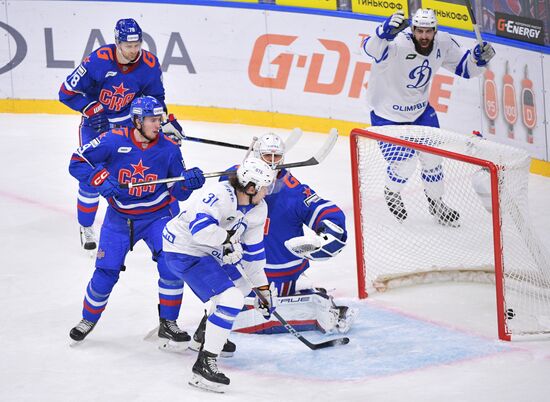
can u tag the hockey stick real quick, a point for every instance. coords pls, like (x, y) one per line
(314, 160)
(474, 22)
(292, 139)
(289, 143)
(319, 156)
(290, 328)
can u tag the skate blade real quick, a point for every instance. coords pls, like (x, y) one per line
(74, 344)
(92, 254)
(202, 383)
(194, 345)
(152, 335)
(168, 345)
(455, 224)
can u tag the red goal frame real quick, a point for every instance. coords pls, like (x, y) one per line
(503, 332)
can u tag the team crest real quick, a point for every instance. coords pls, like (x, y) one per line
(100, 254)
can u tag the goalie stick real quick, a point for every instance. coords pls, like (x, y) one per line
(290, 328)
(289, 143)
(314, 160)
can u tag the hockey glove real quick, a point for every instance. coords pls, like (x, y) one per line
(482, 54)
(105, 184)
(173, 129)
(232, 253)
(194, 179)
(394, 24)
(234, 235)
(328, 242)
(95, 114)
(264, 300)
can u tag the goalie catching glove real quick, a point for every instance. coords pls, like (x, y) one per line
(173, 129)
(263, 302)
(328, 242)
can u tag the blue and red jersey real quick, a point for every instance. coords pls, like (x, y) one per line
(128, 162)
(101, 78)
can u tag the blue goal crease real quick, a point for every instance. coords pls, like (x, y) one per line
(383, 343)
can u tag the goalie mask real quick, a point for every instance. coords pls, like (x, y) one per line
(256, 173)
(270, 148)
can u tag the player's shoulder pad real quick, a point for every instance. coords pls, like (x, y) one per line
(150, 59)
(257, 215)
(226, 177)
(170, 140)
(101, 55)
(445, 38)
(225, 192)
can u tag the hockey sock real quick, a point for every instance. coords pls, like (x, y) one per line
(220, 322)
(87, 203)
(170, 295)
(97, 293)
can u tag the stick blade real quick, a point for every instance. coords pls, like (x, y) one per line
(327, 147)
(332, 342)
(292, 139)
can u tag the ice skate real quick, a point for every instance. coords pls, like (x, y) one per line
(206, 374)
(198, 340)
(173, 339)
(395, 204)
(82, 329)
(444, 214)
(87, 238)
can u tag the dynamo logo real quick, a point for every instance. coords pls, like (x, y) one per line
(421, 74)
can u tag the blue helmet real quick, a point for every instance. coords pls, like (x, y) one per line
(128, 30)
(145, 106)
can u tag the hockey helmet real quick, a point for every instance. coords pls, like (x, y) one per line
(146, 106)
(256, 172)
(270, 148)
(424, 18)
(128, 30)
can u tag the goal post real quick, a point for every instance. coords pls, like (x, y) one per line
(486, 183)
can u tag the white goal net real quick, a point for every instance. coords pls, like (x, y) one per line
(491, 239)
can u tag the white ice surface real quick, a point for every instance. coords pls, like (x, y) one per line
(425, 343)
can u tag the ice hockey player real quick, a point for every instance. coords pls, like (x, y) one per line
(102, 88)
(221, 224)
(291, 206)
(123, 155)
(405, 61)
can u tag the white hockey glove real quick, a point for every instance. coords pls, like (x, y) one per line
(482, 54)
(232, 253)
(234, 235)
(394, 24)
(264, 301)
(330, 240)
(173, 129)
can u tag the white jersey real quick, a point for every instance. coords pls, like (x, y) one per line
(205, 218)
(400, 77)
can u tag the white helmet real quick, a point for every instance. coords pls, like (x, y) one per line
(267, 147)
(255, 171)
(424, 18)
